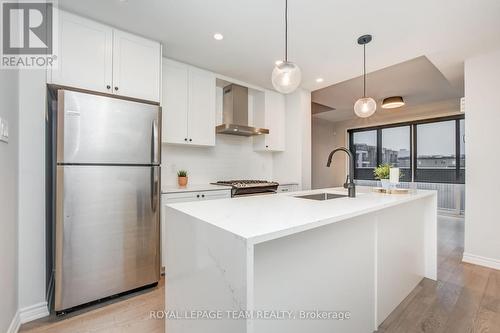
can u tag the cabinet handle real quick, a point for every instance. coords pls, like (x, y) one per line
(267, 146)
(203, 195)
(116, 88)
(190, 140)
(185, 139)
(197, 195)
(108, 87)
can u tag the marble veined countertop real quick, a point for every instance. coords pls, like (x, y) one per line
(261, 218)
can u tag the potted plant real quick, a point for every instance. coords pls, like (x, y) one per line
(182, 178)
(382, 173)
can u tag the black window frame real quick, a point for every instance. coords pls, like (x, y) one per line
(459, 172)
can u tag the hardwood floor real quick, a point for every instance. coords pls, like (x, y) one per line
(130, 314)
(466, 298)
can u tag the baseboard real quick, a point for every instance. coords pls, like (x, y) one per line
(14, 324)
(481, 261)
(33, 312)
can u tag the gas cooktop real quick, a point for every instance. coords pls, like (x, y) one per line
(246, 187)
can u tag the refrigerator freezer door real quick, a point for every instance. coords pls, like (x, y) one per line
(107, 231)
(95, 129)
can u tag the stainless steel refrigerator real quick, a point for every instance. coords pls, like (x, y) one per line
(106, 188)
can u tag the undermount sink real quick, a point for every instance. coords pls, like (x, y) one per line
(321, 196)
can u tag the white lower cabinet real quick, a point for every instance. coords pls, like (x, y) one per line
(177, 197)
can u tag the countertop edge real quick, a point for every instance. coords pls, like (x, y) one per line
(254, 240)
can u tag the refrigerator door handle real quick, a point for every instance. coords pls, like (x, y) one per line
(154, 146)
(154, 188)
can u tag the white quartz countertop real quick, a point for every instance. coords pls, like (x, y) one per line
(261, 218)
(193, 188)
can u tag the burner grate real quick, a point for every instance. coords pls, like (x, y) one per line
(242, 187)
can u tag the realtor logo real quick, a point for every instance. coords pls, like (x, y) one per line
(28, 34)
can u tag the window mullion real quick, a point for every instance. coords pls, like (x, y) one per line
(379, 147)
(414, 154)
(457, 151)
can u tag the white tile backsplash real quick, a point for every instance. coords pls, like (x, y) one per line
(232, 158)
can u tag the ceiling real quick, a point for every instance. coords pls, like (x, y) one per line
(418, 81)
(322, 34)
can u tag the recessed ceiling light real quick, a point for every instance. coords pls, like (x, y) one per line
(319, 79)
(218, 36)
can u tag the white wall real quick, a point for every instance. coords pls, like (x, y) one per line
(9, 154)
(482, 227)
(323, 142)
(32, 107)
(294, 164)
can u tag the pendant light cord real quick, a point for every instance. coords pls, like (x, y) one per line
(286, 30)
(364, 70)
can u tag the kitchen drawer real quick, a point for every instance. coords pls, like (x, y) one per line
(169, 198)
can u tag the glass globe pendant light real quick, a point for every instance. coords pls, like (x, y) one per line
(286, 74)
(365, 106)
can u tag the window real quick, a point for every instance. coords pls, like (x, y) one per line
(425, 151)
(436, 152)
(365, 153)
(396, 149)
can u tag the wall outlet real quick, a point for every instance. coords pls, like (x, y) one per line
(4, 130)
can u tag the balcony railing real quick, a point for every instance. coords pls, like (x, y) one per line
(451, 197)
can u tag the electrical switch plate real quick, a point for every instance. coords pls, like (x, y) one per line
(4, 130)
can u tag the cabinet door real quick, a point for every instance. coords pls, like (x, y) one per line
(136, 66)
(175, 102)
(201, 116)
(86, 54)
(275, 121)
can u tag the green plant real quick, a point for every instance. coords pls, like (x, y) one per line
(182, 173)
(382, 171)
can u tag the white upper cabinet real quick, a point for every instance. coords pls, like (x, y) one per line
(85, 54)
(271, 116)
(188, 105)
(97, 57)
(175, 102)
(136, 66)
(201, 115)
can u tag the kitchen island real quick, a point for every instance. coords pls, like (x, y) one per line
(281, 263)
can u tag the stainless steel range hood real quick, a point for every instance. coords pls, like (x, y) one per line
(235, 113)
